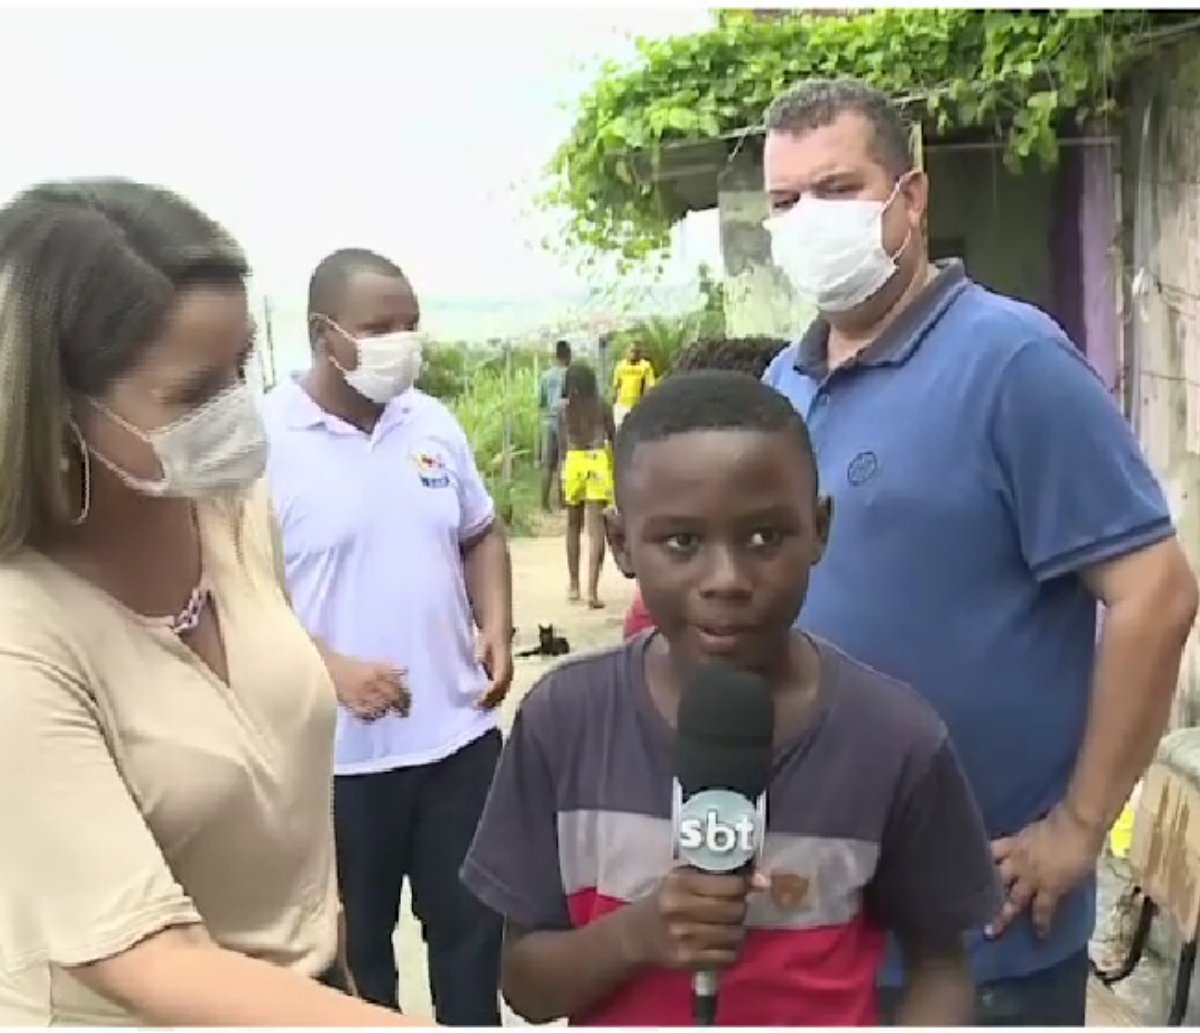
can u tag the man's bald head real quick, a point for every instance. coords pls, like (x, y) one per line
(362, 292)
(327, 287)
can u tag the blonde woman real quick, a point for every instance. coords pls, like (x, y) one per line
(166, 725)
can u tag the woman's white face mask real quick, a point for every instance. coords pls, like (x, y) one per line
(832, 250)
(218, 448)
(388, 365)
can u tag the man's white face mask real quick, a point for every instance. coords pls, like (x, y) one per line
(832, 250)
(388, 365)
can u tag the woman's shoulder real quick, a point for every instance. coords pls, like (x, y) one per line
(39, 605)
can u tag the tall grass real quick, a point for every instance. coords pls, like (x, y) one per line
(493, 392)
(508, 467)
(494, 396)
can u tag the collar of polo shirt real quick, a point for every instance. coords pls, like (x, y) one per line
(897, 343)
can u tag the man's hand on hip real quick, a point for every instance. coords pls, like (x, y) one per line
(1042, 863)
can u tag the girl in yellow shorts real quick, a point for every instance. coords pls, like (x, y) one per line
(585, 436)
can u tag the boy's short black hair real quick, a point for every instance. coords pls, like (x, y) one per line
(750, 355)
(562, 351)
(714, 399)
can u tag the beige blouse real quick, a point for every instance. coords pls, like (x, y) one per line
(138, 791)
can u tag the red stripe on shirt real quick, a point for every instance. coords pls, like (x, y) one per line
(638, 618)
(802, 977)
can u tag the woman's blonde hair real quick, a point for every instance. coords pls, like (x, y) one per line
(88, 272)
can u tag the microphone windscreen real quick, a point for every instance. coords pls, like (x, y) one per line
(724, 732)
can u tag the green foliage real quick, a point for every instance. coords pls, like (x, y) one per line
(1014, 74)
(449, 370)
(662, 337)
(493, 393)
(712, 309)
(444, 372)
(508, 467)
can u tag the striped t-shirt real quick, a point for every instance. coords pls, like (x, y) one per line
(871, 828)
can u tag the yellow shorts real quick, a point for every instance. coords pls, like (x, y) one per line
(587, 476)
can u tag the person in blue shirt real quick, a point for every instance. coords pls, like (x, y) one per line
(989, 495)
(550, 401)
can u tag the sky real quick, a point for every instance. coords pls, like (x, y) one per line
(417, 131)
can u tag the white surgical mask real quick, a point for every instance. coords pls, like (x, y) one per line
(832, 250)
(219, 448)
(388, 365)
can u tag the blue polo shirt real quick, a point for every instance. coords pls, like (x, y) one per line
(976, 465)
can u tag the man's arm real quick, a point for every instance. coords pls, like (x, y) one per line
(1150, 603)
(1086, 505)
(484, 546)
(487, 569)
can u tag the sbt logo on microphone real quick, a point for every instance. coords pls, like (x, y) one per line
(718, 831)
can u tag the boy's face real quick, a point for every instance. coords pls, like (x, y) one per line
(721, 527)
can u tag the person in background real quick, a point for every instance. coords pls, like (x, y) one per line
(166, 723)
(393, 553)
(749, 355)
(871, 826)
(550, 400)
(633, 376)
(989, 496)
(586, 433)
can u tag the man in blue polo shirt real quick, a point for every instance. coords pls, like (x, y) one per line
(987, 495)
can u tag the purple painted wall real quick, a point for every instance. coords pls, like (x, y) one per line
(1080, 239)
(1097, 234)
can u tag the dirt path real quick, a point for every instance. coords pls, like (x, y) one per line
(539, 577)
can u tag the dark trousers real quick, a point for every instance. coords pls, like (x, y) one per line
(334, 978)
(1056, 996)
(417, 823)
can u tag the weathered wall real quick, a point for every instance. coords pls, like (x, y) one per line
(1161, 184)
(758, 298)
(1002, 219)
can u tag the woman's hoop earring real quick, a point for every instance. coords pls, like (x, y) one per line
(85, 467)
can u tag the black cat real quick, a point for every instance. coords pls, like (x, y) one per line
(549, 643)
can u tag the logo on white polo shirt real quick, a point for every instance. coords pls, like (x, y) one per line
(431, 469)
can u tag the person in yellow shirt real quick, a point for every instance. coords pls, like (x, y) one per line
(633, 376)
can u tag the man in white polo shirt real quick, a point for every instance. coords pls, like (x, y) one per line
(394, 554)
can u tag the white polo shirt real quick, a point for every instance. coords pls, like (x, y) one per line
(372, 527)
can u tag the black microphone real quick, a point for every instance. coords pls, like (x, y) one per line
(724, 731)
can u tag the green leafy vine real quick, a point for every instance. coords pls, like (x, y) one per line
(1017, 75)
